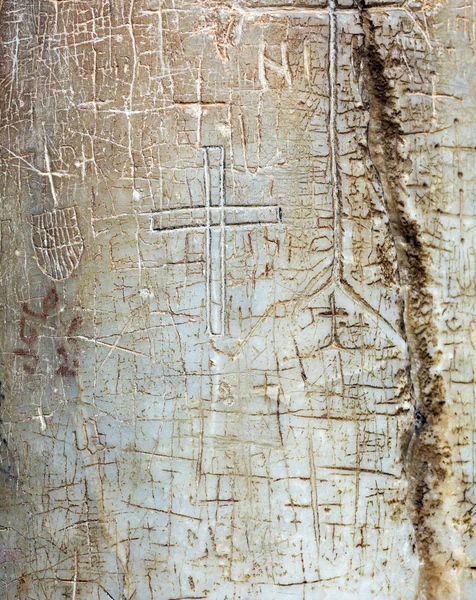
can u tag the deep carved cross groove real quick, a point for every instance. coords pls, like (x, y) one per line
(215, 217)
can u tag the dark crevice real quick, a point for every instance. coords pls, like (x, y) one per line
(427, 456)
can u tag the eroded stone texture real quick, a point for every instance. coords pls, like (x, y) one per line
(236, 285)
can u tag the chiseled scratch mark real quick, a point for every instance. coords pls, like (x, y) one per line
(314, 501)
(307, 60)
(49, 174)
(221, 33)
(14, 67)
(75, 578)
(265, 62)
(198, 470)
(34, 169)
(92, 439)
(164, 512)
(215, 244)
(414, 20)
(115, 345)
(42, 418)
(337, 266)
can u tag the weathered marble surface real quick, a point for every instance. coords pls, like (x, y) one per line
(237, 282)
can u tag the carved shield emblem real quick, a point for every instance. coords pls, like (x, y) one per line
(57, 242)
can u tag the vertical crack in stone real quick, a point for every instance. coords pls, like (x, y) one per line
(427, 454)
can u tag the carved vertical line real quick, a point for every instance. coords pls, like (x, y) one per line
(208, 203)
(222, 237)
(215, 237)
(336, 200)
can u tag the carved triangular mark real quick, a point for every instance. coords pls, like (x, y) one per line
(343, 287)
(390, 331)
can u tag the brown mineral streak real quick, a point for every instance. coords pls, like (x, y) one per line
(427, 453)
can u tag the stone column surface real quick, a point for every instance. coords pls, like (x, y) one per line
(237, 299)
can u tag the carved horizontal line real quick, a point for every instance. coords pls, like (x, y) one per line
(164, 512)
(203, 206)
(447, 215)
(356, 471)
(302, 9)
(228, 216)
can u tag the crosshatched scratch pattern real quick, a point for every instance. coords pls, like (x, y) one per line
(57, 242)
(230, 399)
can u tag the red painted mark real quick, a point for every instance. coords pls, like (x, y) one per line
(32, 365)
(70, 362)
(49, 304)
(30, 322)
(8, 555)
